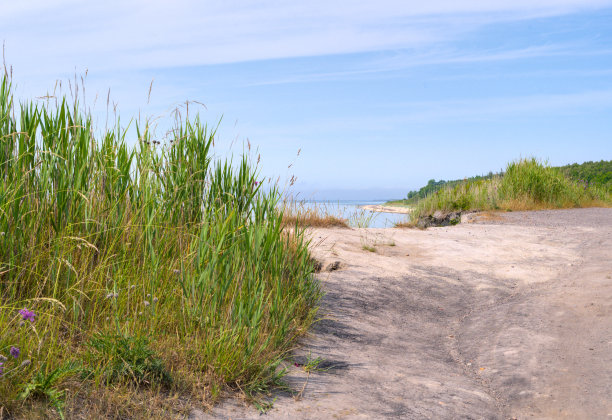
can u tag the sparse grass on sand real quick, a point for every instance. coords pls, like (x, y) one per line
(527, 184)
(135, 281)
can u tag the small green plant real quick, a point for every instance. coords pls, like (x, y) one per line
(45, 385)
(313, 364)
(264, 406)
(372, 239)
(127, 358)
(362, 218)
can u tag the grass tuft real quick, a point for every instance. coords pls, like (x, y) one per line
(128, 359)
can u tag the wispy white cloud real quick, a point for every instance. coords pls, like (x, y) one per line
(124, 43)
(58, 35)
(533, 74)
(405, 60)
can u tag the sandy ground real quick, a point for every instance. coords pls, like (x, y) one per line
(387, 209)
(496, 319)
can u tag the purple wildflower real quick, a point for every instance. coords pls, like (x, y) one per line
(27, 314)
(255, 183)
(15, 352)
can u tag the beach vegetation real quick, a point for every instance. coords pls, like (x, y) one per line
(138, 270)
(590, 173)
(525, 184)
(311, 215)
(362, 218)
(369, 248)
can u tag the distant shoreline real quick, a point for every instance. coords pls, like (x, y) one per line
(387, 209)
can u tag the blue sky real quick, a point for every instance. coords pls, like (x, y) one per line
(377, 96)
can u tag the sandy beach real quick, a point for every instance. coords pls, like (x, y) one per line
(508, 317)
(387, 209)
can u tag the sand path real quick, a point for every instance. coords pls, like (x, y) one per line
(493, 319)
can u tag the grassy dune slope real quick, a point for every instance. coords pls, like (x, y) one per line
(526, 184)
(139, 274)
(592, 173)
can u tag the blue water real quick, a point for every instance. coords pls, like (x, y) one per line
(358, 217)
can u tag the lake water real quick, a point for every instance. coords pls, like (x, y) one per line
(358, 217)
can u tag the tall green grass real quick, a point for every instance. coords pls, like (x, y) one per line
(526, 184)
(152, 268)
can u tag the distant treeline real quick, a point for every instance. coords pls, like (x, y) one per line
(592, 173)
(597, 173)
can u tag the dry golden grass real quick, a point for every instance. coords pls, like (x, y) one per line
(529, 205)
(123, 402)
(317, 216)
(314, 220)
(409, 224)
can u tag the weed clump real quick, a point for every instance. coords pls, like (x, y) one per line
(120, 358)
(44, 385)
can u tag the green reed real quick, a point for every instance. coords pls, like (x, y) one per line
(161, 243)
